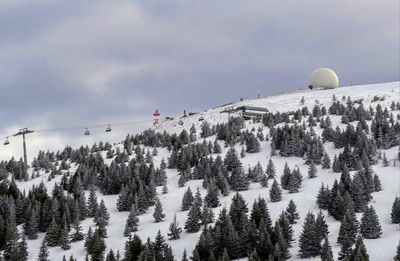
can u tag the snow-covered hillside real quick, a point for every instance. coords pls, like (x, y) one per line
(383, 248)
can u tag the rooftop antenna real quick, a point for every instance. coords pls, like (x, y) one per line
(23, 132)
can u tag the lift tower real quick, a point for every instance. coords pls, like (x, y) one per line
(23, 132)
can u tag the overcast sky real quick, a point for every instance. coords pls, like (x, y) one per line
(73, 63)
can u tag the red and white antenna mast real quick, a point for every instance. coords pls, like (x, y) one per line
(156, 118)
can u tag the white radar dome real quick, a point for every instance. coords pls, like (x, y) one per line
(323, 78)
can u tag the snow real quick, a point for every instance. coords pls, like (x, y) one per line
(379, 249)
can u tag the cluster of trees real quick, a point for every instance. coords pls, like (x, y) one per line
(294, 140)
(238, 233)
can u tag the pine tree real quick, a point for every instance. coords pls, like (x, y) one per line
(111, 256)
(187, 200)
(243, 152)
(43, 252)
(31, 226)
(270, 171)
(348, 228)
(385, 161)
(326, 161)
(77, 235)
(291, 212)
(260, 216)
(98, 247)
(359, 192)
(238, 180)
(397, 256)
(336, 165)
(321, 227)
(281, 243)
(22, 250)
(359, 252)
(326, 251)
(132, 222)
(264, 181)
(294, 182)
(238, 212)
(53, 233)
(158, 214)
(395, 215)
(174, 230)
(370, 227)
(323, 197)
(192, 223)
(102, 213)
(184, 256)
(275, 193)
(211, 199)
(287, 230)
(64, 238)
(92, 202)
(312, 170)
(309, 241)
(286, 177)
(377, 183)
(207, 215)
(101, 220)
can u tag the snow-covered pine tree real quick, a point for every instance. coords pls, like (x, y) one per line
(377, 183)
(336, 165)
(270, 171)
(64, 238)
(192, 223)
(211, 199)
(31, 226)
(158, 214)
(43, 252)
(287, 230)
(359, 252)
(370, 227)
(53, 233)
(187, 200)
(132, 223)
(326, 251)
(285, 177)
(326, 161)
(92, 202)
(275, 193)
(174, 230)
(395, 214)
(385, 161)
(323, 197)
(238, 212)
(309, 239)
(291, 212)
(77, 235)
(312, 170)
(348, 228)
(321, 226)
(238, 180)
(242, 152)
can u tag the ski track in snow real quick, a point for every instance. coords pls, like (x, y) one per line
(378, 249)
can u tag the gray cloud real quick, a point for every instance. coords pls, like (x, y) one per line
(76, 63)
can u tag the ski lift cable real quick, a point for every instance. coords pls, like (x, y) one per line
(57, 129)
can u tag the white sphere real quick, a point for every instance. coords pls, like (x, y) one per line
(323, 78)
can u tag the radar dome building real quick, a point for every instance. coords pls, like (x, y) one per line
(323, 78)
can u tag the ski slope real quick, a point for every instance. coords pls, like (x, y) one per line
(379, 249)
